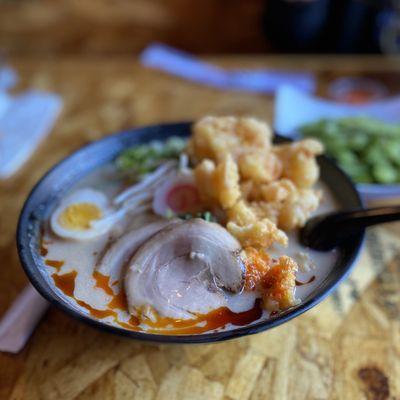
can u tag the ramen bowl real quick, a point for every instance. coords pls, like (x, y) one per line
(56, 182)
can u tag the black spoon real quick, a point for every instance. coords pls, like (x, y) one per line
(326, 231)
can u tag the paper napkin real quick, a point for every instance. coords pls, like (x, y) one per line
(181, 64)
(25, 120)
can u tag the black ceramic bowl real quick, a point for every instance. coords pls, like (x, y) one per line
(65, 174)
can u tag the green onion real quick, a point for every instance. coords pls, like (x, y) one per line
(145, 158)
(206, 215)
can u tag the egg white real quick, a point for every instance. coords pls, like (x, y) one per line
(87, 195)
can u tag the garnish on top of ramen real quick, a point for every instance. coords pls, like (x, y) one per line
(145, 158)
(197, 243)
(367, 149)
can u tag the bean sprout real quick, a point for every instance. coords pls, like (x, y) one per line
(137, 199)
(139, 210)
(147, 182)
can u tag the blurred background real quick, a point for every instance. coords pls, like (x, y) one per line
(209, 26)
(73, 71)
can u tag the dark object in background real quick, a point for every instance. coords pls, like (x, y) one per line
(388, 24)
(296, 26)
(330, 26)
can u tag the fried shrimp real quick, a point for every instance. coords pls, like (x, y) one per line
(260, 187)
(299, 163)
(276, 279)
(215, 137)
(262, 233)
(218, 183)
(257, 265)
(226, 180)
(259, 167)
(279, 284)
(204, 176)
(297, 209)
(241, 213)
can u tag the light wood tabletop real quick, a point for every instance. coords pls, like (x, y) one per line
(348, 347)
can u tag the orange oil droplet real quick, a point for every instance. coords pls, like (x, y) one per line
(65, 282)
(132, 324)
(43, 250)
(95, 312)
(202, 323)
(55, 264)
(119, 301)
(215, 319)
(103, 282)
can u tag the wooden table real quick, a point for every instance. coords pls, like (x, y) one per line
(348, 347)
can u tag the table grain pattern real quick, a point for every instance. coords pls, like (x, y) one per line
(348, 347)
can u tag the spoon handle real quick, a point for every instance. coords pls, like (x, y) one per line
(326, 231)
(355, 220)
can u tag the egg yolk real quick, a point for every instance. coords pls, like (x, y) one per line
(79, 216)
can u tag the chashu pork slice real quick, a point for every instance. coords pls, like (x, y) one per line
(119, 253)
(184, 269)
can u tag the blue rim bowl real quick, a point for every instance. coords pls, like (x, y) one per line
(65, 174)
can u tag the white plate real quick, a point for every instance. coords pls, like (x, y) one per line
(294, 108)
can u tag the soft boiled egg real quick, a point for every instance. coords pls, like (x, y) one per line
(78, 215)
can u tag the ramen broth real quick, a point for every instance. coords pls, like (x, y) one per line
(70, 265)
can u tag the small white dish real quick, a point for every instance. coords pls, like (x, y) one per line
(294, 108)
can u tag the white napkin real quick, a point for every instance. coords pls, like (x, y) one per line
(186, 66)
(20, 320)
(8, 78)
(25, 120)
